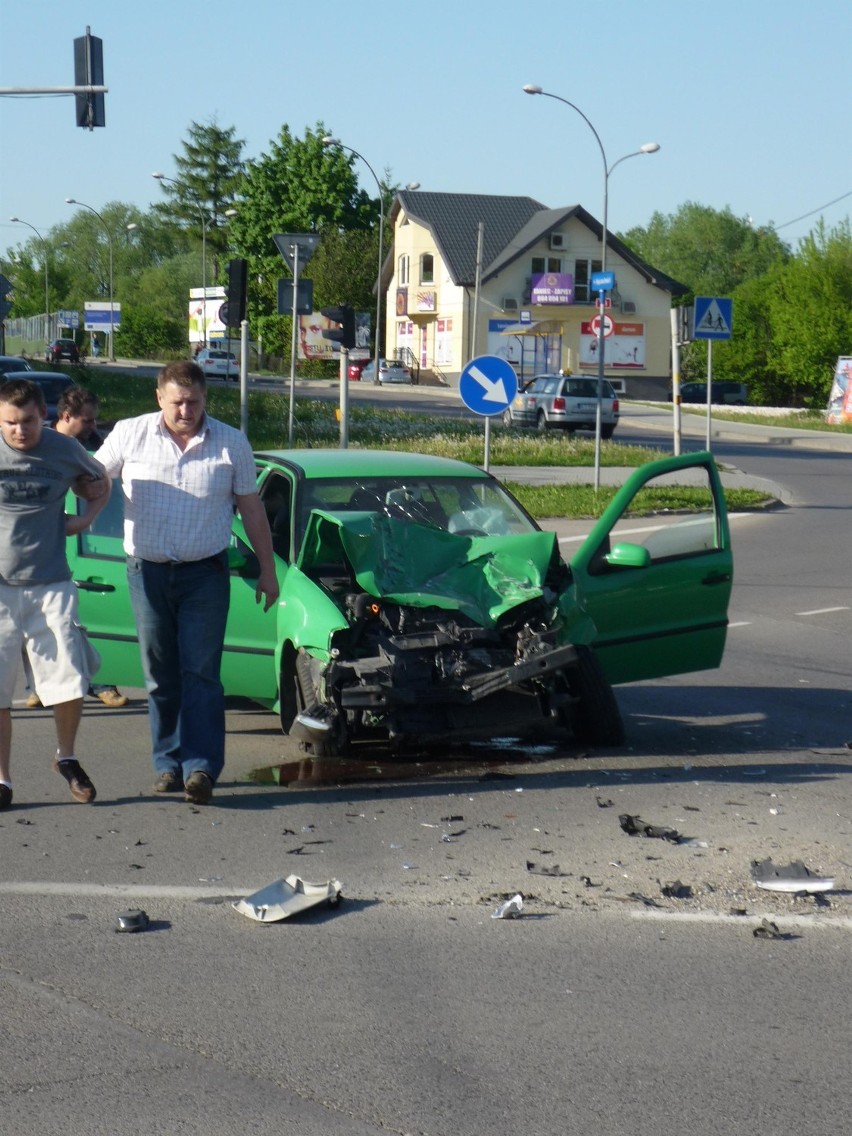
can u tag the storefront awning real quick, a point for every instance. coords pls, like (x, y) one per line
(538, 327)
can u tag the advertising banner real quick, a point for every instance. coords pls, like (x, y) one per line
(625, 347)
(840, 396)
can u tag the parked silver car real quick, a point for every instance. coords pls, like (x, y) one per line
(390, 371)
(217, 364)
(568, 402)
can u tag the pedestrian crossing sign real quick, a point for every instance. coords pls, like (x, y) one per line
(713, 317)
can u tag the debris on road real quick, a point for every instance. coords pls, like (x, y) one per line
(635, 826)
(545, 869)
(767, 930)
(675, 890)
(510, 909)
(794, 878)
(287, 897)
(130, 921)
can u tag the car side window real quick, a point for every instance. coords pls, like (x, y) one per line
(276, 495)
(105, 537)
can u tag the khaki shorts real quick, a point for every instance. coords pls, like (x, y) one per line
(41, 622)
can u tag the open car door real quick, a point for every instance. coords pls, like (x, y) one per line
(657, 585)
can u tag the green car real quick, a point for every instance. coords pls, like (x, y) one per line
(420, 602)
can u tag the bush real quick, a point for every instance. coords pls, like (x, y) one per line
(146, 334)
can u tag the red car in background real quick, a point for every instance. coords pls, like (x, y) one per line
(356, 366)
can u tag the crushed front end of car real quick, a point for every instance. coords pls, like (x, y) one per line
(443, 636)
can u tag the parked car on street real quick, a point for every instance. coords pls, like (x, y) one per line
(390, 371)
(567, 402)
(52, 383)
(356, 366)
(13, 363)
(61, 349)
(722, 392)
(216, 363)
(421, 603)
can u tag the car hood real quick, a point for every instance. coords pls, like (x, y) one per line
(420, 566)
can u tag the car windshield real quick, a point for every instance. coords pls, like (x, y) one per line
(465, 506)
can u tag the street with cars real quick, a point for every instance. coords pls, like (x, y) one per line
(632, 988)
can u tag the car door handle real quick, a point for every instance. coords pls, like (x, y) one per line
(717, 578)
(94, 586)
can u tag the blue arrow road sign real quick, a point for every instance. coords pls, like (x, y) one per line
(488, 384)
(713, 317)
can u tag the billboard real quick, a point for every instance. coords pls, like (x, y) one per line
(840, 398)
(204, 321)
(312, 345)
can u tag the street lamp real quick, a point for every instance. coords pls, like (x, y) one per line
(83, 205)
(648, 148)
(205, 225)
(329, 141)
(18, 221)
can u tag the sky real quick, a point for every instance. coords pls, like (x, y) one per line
(749, 100)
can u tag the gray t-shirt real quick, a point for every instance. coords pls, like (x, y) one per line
(33, 484)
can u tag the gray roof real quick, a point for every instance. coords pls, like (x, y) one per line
(513, 225)
(453, 219)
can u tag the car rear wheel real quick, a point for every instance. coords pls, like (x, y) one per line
(607, 431)
(506, 418)
(541, 421)
(594, 717)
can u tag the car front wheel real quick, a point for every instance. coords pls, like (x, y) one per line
(593, 717)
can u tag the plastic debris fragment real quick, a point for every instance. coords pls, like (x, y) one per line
(635, 826)
(767, 930)
(287, 897)
(676, 890)
(794, 878)
(511, 909)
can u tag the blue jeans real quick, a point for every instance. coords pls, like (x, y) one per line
(181, 611)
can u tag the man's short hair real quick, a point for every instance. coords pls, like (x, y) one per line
(182, 372)
(18, 392)
(74, 400)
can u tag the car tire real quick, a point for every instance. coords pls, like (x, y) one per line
(506, 418)
(335, 744)
(607, 432)
(541, 422)
(594, 717)
(288, 701)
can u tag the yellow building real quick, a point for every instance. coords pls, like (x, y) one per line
(534, 305)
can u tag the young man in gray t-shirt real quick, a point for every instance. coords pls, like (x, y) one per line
(38, 600)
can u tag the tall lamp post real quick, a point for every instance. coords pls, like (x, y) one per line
(648, 148)
(329, 141)
(83, 205)
(18, 221)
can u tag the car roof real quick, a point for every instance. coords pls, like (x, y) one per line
(370, 463)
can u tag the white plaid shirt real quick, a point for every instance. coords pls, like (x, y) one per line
(178, 504)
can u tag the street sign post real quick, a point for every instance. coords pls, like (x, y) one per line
(487, 386)
(297, 249)
(97, 316)
(713, 319)
(603, 281)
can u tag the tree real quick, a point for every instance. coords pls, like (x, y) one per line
(709, 250)
(303, 186)
(207, 182)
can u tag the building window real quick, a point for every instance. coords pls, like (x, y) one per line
(402, 271)
(427, 268)
(542, 264)
(583, 270)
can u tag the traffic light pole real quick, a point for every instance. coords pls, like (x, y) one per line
(344, 398)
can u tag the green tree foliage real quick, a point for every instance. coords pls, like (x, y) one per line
(206, 183)
(146, 333)
(709, 250)
(301, 186)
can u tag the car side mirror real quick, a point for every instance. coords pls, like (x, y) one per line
(628, 556)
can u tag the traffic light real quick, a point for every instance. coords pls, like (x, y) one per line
(345, 317)
(236, 291)
(89, 72)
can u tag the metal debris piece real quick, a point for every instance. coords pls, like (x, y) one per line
(604, 804)
(795, 878)
(510, 909)
(130, 921)
(676, 890)
(287, 897)
(635, 826)
(767, 930)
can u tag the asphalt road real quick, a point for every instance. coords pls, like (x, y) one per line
(608, 1007)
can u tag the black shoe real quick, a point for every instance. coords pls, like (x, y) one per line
(81, 787)
(199, 788)
(168, 782)
(5, 796)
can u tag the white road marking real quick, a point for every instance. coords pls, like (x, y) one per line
(118, 891)
(810, 921)
(822, 611)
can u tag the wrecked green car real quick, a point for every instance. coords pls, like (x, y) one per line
(420, 602)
